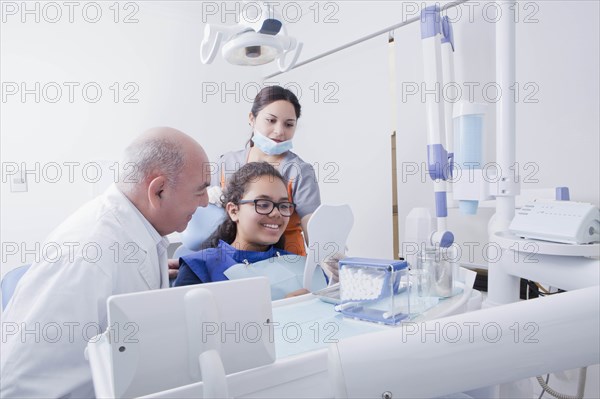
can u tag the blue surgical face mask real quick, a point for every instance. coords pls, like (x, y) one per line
(269, 146)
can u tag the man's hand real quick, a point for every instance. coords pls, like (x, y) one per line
(173, 268)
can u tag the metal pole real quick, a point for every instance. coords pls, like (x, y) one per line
(364, 38)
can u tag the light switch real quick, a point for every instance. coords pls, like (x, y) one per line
(18, 182)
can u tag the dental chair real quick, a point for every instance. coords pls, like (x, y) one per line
(174, 353)
(204, 222)
(9, 283)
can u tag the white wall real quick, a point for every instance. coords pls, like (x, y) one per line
(345, 127)
(561, 132)
(157, 56)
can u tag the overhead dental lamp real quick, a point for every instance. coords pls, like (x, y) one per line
(252, 41)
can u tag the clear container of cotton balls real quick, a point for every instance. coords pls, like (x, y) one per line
(374, 290)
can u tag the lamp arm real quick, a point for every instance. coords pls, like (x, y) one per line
(208, 51)
(281, 59)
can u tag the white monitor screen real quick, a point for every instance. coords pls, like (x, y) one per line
(157, 336)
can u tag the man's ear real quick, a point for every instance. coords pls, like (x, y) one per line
(232, 210)
(156, 191)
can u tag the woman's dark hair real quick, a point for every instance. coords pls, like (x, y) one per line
(234, 192)
(269, 95)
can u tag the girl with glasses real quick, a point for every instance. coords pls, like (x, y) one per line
(258, 211)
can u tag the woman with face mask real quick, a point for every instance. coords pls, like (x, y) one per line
(274, 117)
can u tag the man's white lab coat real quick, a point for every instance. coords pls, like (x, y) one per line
(60, 303)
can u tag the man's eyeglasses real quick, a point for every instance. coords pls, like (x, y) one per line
(265, 206)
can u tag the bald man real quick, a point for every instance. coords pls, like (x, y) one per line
(114, 244)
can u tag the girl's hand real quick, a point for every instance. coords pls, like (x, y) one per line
(331, 267)
(299, 292)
